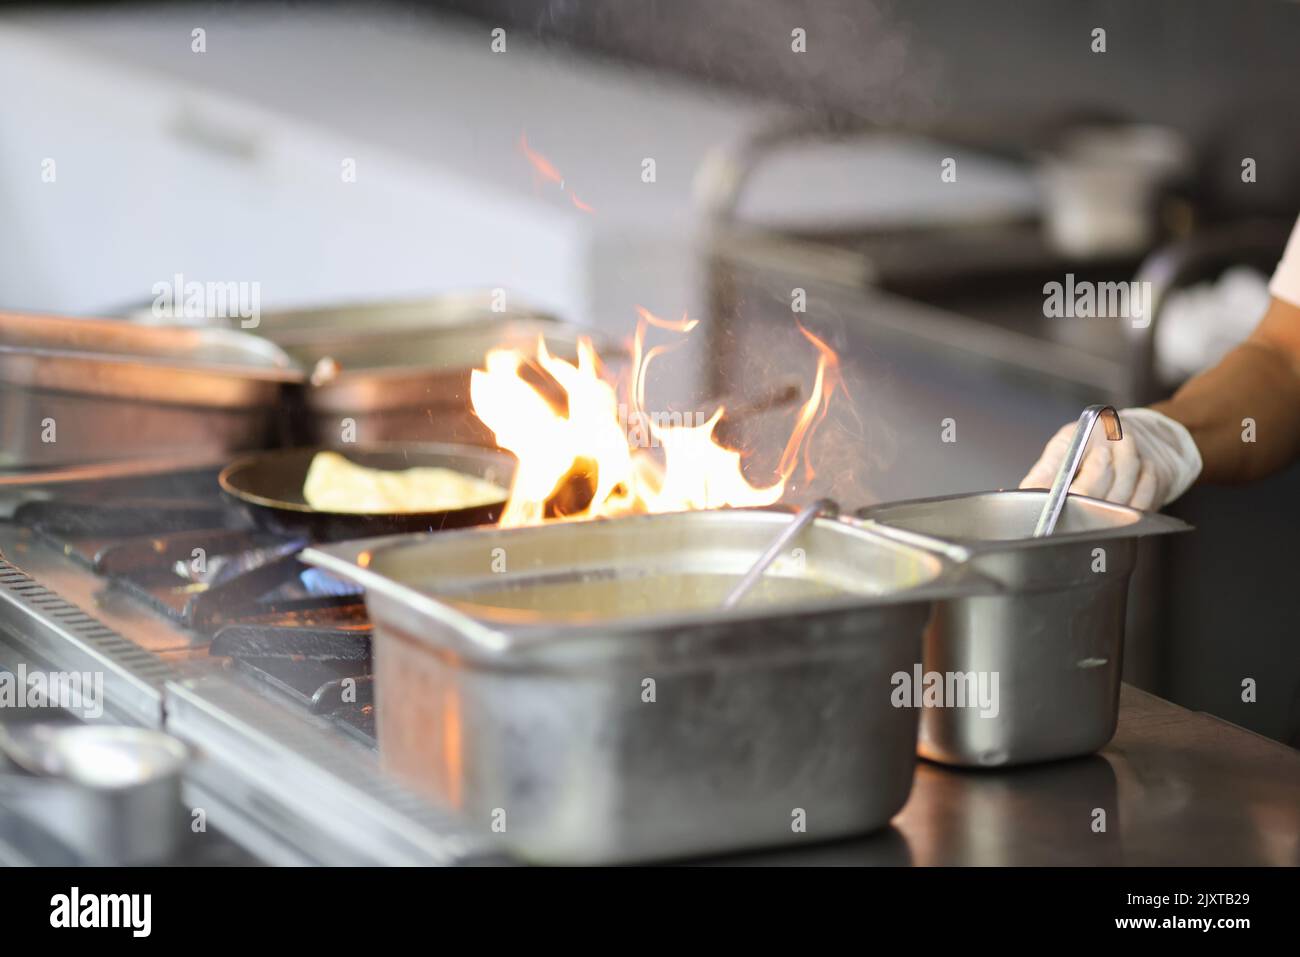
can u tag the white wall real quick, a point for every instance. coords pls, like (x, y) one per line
(155, 178)
(225, 165)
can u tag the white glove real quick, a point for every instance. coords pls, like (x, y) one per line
(1153, 464)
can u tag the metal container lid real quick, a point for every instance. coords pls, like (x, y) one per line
(167, 364)
(302, 325)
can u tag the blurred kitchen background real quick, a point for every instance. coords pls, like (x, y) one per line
(774, 170)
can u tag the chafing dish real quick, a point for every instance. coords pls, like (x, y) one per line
(575, 689)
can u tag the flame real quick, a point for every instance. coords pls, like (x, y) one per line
(547, 171)
(544, 167)
(578, 459)
(814, 410)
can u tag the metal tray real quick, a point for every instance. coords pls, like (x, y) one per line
(1054, 636)
(573, 688)
(115, 390)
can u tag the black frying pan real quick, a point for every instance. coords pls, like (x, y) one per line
(268, 485)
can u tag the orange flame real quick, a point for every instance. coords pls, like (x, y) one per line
(595, 457)
(546, 170)
(544, 167)
(814, 410)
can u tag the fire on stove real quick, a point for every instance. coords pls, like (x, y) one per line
(586, 455)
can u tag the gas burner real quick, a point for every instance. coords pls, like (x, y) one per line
(326, 670)
(173, 543)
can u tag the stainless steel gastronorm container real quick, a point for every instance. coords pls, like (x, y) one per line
(94, 390)
(575, 689)
(407, 384)
(1055, 635)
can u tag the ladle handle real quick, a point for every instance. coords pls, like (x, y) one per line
(801, 521)
(1070, 464)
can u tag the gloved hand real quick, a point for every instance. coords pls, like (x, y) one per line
(1152, 465)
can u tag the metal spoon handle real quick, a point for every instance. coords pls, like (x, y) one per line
(787, 534)
(1070, 464)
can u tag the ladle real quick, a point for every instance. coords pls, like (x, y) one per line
(1070, 464)
(801, 521)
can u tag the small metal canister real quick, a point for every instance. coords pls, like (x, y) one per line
(1053, 640)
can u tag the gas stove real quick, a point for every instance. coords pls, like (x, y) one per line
(207, 627)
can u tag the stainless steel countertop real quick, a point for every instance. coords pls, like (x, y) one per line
(1177, 787)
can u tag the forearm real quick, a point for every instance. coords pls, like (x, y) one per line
(1259, 383)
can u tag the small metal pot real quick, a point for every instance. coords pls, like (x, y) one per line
(1054, 638)
(111, 794)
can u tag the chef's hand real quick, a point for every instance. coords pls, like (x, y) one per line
(1152, 465)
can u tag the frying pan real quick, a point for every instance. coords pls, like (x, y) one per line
(268, 486)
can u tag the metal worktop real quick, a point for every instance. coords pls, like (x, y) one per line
(1177, 787)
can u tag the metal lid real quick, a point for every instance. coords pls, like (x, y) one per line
(168, 364)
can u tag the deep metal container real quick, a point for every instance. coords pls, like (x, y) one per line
(94, 390)
(399, 370)
(574, 688)
(410, 384)
(1054, 637)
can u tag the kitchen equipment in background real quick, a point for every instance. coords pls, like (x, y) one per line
(303, 324)
(1054, 637)
(75, 391)
(294, 327)
(1202, 324)
(398, 370)
(111, 793)
(1101, 187)
(581, 679)
(1220, 273)
(413, 384)
(1070, 464)
(269, 487)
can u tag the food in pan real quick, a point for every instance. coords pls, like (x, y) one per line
(334, 484)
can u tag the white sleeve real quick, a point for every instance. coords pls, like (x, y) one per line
(1286, 280)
